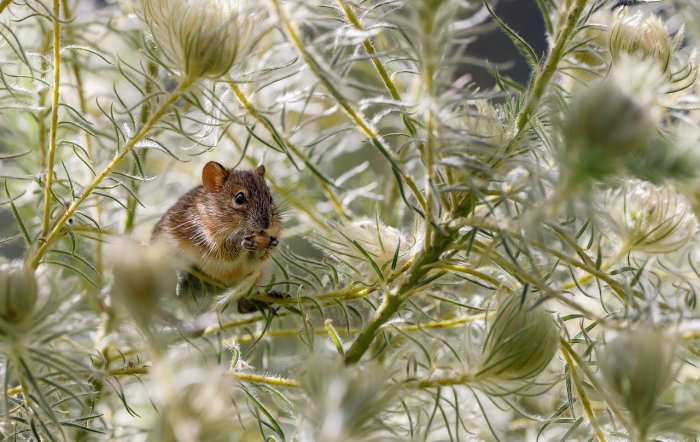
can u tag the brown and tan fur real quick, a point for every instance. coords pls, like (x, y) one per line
(225, 240)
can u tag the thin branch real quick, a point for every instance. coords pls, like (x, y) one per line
(55, 96)
(585, 402)
(139, 136)
(542, 78)
(322, 182)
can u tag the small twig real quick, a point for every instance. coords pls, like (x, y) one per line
(327, 189)
(363, 126)
(582, 395)
(542, 78)
(4, 4)
(238, 376)
(140, 135)
(53, 128)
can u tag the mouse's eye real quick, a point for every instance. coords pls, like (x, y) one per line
(239, 199)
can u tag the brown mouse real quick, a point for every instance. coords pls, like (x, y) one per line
(228, 226)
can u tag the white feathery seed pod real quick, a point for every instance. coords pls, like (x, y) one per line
(142, 274)
(202, 38)
(381, 242)
(641, 35)
(614, 125)
(638, 366)
(650, 218)
(194, 402)
(18, 292)
(521, 342)
(343, 404)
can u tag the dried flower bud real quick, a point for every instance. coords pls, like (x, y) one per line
(520, 344)
(18, 292)
(637, 367)
(344, 403)
(194, 403)
(142, 275)
(201, 38)
(641, 35)
(381, 242)
(485, 122)
(604, 128)
(649, 218)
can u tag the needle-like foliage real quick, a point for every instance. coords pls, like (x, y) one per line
(458, 261)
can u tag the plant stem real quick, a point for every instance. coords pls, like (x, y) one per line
(362, 125)
(543, 77)
(269, 380)
(238, 376)
(614, 285)
(369, 47)
(443, 324)
(463, 379)
(54, 115)
(4, 4)
(593, 380)
(41, 115)
(128, 147)
(582, 395)
(322, 181)
(392, 302)
(131, 204)
(82, 102)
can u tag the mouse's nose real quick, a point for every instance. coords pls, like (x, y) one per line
(265, 241)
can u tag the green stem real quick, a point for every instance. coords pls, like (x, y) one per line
(4, 4)
(614, 285)
(582, 395)
(369, 48)
(82, 101)
(362, 125)
(392, 302)
(443, 324)
(140, 135)
(463, 379)
(41, 115)
(593, 380)
(54, 115)
(542, 79)
(248, 105)
(240, 377)
(131, 204)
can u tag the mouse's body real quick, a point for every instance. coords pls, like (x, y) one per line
(226, 227)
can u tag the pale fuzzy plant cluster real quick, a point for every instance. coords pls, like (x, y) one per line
(517, 262)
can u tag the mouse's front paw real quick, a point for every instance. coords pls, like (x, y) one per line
(250, 305)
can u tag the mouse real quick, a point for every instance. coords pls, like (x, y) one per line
(226, 227)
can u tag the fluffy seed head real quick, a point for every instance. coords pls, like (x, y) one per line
(520, 343)
(18, 292)
(641, 35)
(142, 275)
(194, 403)
(606, 126)
(381, 242)
(637, 367)
(343, 403)
(650, 218)
(201, 38)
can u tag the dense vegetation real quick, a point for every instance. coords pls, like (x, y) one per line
(517, 262)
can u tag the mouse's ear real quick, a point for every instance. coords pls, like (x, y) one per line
(214, 176)
(260, 170)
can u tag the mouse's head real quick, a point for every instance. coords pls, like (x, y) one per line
(240, 207)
